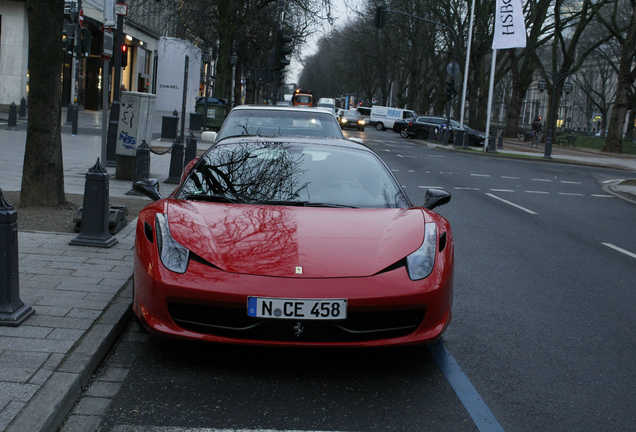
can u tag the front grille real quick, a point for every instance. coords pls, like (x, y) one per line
(233, 322)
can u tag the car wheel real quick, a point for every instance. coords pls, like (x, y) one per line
(404, 133)
(379, 126)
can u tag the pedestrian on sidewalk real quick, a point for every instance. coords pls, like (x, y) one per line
(536, 129)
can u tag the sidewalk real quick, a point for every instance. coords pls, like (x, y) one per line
(81, 296)
(569, 155)
(79, 153)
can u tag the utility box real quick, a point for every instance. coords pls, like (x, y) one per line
(135, 122)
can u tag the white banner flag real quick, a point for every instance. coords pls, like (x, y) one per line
(510, 27)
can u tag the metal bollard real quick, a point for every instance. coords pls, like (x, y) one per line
(22, 110)
(95, 213)
(13, 311)
(142, 166)
(459, 138)
(74, 119)
(13, 115)
(176, 163)
(190, 149)
(69, 113)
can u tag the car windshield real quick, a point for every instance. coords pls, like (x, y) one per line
(293, 174)
(303, 99)
(275, 123)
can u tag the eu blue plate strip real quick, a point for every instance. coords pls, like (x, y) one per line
(474, 404)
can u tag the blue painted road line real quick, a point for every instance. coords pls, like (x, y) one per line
(466, 392)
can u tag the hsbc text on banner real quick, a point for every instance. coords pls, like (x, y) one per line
(510, 27)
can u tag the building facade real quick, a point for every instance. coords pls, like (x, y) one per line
(14, 46)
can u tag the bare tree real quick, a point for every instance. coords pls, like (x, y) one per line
(624, 31)
(43, 171)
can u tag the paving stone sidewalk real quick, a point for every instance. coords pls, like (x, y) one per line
(79, 295)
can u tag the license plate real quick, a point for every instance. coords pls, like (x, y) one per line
(304, 309)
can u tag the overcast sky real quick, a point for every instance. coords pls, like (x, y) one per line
(341, 10)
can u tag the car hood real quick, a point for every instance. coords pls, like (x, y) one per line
(275, 240)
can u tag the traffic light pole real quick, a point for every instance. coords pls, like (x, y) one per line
(111, 144)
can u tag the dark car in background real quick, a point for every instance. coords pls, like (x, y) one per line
(352, 119)
(432, 126)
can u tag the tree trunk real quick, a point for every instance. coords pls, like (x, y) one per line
(43, 171)
(614, 141)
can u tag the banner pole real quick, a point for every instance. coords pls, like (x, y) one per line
(490, 91)
(465, 86)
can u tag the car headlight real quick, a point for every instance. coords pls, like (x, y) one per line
(420, 263)
(344, 120)
(173, 256)
(361, 122)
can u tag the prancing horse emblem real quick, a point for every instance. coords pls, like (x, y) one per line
(298, 329)
(299, 270)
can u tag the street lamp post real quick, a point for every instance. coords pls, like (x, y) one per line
(114, 109)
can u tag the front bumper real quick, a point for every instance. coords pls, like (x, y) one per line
(208, 304)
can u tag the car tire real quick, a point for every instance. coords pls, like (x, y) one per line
(404, 133)
(379, 126)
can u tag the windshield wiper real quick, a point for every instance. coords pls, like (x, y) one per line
(305, 204)
(211, 198)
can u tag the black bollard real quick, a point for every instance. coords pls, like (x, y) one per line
(13, 115)
(176, 163)
(142, 167)
(74, 119)
(13, 311)
(190, 149)
(95, 213)
(459, 138)
(69, 113)
(22, 109)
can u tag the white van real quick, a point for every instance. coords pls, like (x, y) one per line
(383, 117)
(327, 103)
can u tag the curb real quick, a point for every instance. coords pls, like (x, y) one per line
(610, 188)
(530, 158)
(48, 409)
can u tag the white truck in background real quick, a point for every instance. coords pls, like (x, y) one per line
(383, 117)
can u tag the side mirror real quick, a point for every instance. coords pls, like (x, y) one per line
(188, 168)
(435, 198)
(208, 136)
(149, 187)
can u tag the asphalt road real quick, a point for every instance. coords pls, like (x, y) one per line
(544, 325)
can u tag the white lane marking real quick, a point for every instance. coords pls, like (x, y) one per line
(430, 187)
(144, 428)
(386, 150)
(395, 170)
(411, 171)
(570, 182)
(619, 249)
(427, 172)
(537, 192)
(502, 190)
(510, 178)
(512, 204)
(542, 180)
(602, 196)
(479, 175)
(612, 180)
(570, 194)
(466, 188)
(399, 155)
(445, 172)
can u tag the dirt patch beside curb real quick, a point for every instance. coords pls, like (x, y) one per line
(60, 219)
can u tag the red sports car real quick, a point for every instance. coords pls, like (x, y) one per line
(293, 241)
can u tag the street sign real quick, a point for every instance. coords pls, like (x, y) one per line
(121, 9)
(108, 43)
